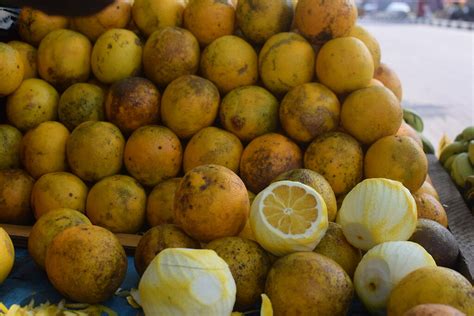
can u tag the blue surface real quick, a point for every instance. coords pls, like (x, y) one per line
(27, 281)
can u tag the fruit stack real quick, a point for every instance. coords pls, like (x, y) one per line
(266, 132)
(458, 159)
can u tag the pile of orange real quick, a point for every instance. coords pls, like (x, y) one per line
(174, 112)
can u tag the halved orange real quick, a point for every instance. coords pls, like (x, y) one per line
(287, 217)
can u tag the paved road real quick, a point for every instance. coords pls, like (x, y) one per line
(436, 66)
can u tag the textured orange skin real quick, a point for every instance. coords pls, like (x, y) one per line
(338, 157)
(212, 145)
(211, 202)
(152, 154)
(169, 53)
(320, 21)
(433, 310)
(86, 263)
(307, 283)
(208, 19)
(132, 103)
(266, 157)
(407, 130)
(189, 104)
(58, 190)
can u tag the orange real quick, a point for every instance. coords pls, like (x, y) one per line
(390, 79)
(15, 192)
(208, 19)
(153, 154)
(398, 158)
(266, 157)
(34, 25)
(189, 104)
(118, 204)
(169, 53)
(12, 69)
(211, 202)
(309, 110)
(320, 21)
(249, 112)
(229, 62)
(131, 103)
(338, 157)
(160, 203)
(212, 145)
(371, 113)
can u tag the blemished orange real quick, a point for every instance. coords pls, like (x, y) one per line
(339, 158)
(266, 157)
(211, 202)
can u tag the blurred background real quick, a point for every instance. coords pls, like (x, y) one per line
(430, 44)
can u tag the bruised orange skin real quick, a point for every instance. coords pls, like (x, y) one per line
(132, 103)
(320, 21)
(211, 202)
(169, 53)
(249, 112)
(309, 110)
(266, 157)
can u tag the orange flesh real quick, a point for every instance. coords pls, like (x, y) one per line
(290, 209)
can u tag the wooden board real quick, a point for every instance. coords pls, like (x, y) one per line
(460, 219)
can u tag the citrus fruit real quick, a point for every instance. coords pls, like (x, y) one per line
(287, 217)
(390, 79)
(376, 211)
(34, 25)
(266, 157)
(7, 255)
(158, 238)
(10, 144)
(28, 56)
(47, 227)
(150, 15)
(430, 208)
(370, 41)
(211, 202)
(58, 190)
(398, 158)
(15, 192)
(160, 203)
(371, 113)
